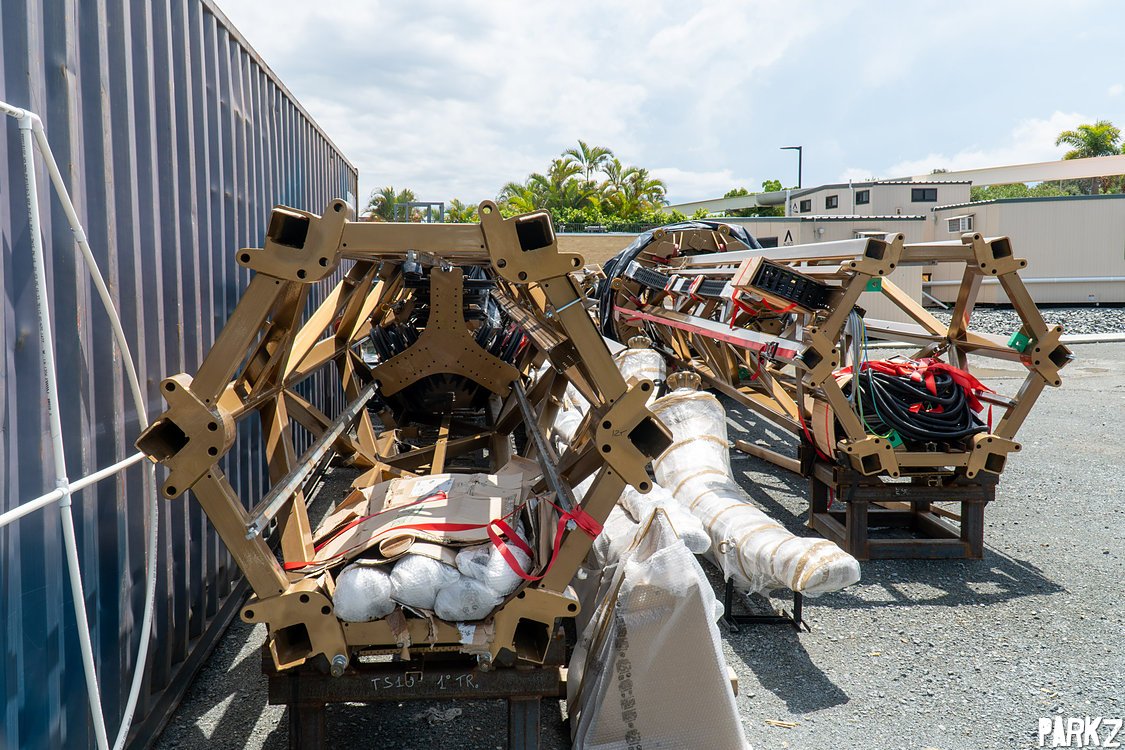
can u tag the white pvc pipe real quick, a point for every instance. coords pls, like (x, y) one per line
(30, 121)
(24, 509)
(47, 358)
(93, 269)
(1044, 280)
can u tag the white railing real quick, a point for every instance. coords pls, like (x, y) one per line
(32, 136)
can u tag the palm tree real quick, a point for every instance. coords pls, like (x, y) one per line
(384, 201)
(520, 198)
(588, 158)
(1099, 139)
(642, 191)
(614, 186)
(459, 213)
(558, 188)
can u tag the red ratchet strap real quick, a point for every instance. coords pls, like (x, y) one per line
(581, 518)
(808, 436)
(747, 308)
(784, 309)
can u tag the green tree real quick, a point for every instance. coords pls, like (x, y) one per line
(627, 195)
(768, 186)
(384, 200)
(518, 198)
(459, 213)
(1100, 139)
(589, 158)
(1020, 190)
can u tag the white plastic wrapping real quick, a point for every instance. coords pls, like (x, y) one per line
(569, 417)
(416, 580)
(466, 599)
(617, 534)
(651, 656)
(689, 528)
(363, 593)
(487, 565)
(750, 547)
(642, 364)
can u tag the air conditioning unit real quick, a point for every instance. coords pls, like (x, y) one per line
(960, 224)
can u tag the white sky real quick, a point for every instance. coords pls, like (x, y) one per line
(454, 100)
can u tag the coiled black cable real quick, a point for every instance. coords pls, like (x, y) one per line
(886, 401)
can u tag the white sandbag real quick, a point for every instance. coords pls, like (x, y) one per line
(689, 528)
(487, 564)
(416, 580)
(651, 643)
(466, 599)
(757, 552)
(363, 593)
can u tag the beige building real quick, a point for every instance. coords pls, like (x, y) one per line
(1074, 246)
(877, 198)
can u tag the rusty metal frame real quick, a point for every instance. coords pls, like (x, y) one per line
(269, 346)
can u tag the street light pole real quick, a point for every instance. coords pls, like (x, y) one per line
(800, 159)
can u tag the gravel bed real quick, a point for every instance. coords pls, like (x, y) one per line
(1003, 321)
(957, 655)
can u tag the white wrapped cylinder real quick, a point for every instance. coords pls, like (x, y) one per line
(363, 593)
(416, 580)
(757, 552)
(642, 364)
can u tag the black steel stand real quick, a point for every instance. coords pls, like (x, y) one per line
(776, 617)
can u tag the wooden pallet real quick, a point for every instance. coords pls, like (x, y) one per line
(846, 506)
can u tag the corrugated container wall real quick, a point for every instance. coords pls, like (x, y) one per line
(175, 140)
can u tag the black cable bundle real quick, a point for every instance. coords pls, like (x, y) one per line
(886, 401)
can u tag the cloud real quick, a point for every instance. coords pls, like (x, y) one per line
(456, 100)
(1031, 140)
(692, 186)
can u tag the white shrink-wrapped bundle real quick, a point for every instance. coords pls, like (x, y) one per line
(617, 534)
(569, 417)
(689, 528)
(363, 593)
(641, 362)
(652, 641)
(757, 552)
(416, 580)
(467, 599)
(487, 564)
